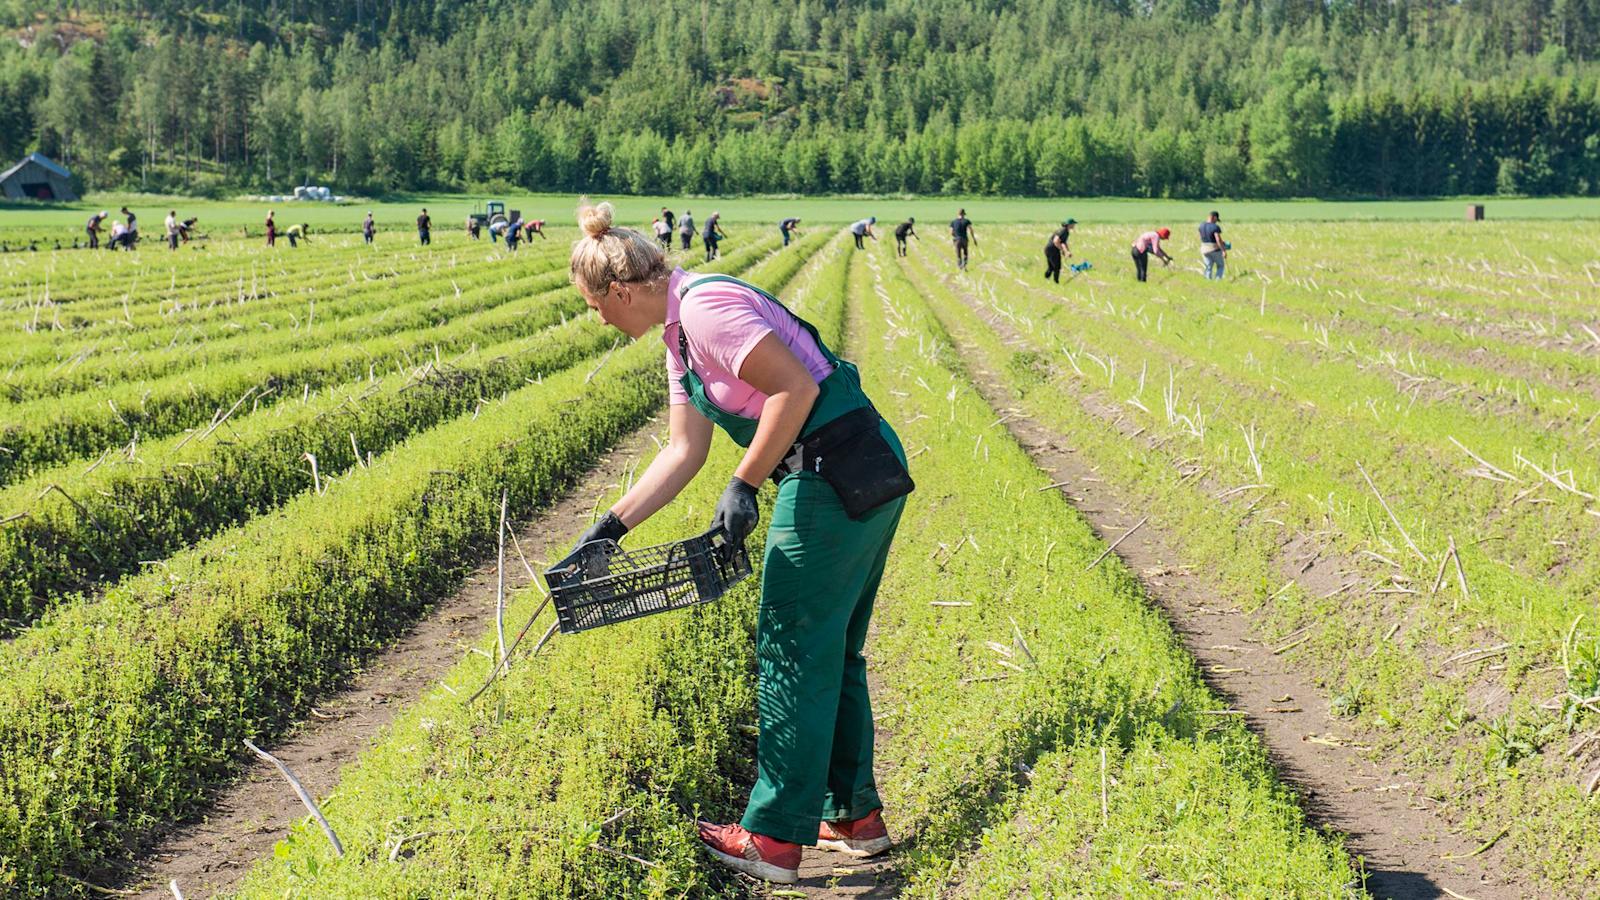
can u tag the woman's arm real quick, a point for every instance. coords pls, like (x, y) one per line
(775, 371)
(672, 469)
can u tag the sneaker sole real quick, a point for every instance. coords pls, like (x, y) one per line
(754, 867)
(861, 849)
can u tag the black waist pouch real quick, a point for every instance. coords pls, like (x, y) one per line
(852, 455)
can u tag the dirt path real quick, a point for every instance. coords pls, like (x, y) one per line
(1375, 804)
(256, 809)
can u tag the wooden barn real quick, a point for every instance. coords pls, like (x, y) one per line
(36, 178)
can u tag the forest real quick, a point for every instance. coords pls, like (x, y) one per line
(1156, 98)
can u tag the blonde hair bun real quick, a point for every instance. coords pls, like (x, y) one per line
(607, 253)
(595, 218)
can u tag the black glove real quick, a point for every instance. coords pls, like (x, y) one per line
(737, 513)
(608, 528)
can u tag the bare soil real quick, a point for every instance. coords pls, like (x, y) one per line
(1372, 801)
(255, 810)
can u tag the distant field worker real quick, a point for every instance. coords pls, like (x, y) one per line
(424, 228)
(738, 359)
(368, 228)
(172, 229)
(1212, 248)
(961, 234)
(906, 229)
(787, 228)
(298, 233)
(669, 218)
(186, 228)
(1148, 243)
(863, 229)
(122, 237)
(713, 235)
(272, 230)
(1059, 246)
(533, 227)
(663, 233)
(513, 232)
(686, 229)
(92, 228)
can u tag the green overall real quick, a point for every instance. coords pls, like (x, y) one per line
(818, 582)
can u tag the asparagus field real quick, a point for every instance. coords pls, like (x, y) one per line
(230, 479)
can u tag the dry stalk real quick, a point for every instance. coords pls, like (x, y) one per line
(500, 582)
(1461, 574)
(1483, 462)
(513, 649)
(1392, 517)
(1107, 552)
(300, 791)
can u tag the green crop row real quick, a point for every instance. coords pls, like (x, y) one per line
(66, 530)
(374, 313)
(1255, 375)
(1382, 648)
(324, 297)
(53, 430)
(644, 716)
(50, 431)
(131, 286)
(87, 284)
(1052, 658)
(116, 714)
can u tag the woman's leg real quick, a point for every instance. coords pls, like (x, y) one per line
(852, 789)
(817, 587)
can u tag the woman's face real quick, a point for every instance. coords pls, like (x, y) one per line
(618, 308)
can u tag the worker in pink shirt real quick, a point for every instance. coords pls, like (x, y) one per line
(1148, 243)
(738, 359)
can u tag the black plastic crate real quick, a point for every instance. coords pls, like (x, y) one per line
(601, 584)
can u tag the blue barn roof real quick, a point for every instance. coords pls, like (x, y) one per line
(42, 160)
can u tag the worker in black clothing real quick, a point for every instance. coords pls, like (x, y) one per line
(1057, 248)
(905, 229)
(712, 235)
(93, 229)
(668, 217)
(787, 228)
(961, 233)
(424, 228)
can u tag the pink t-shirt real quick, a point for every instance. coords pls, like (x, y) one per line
(725, 322)
(1149, 242)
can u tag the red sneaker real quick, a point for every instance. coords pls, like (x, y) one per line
(768, 859)
(866, 836)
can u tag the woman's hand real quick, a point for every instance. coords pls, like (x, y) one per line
(609, 528)
(737, 513)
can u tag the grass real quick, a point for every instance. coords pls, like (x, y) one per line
(1180, 390)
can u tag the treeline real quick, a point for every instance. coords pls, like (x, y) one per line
(1182, 98)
